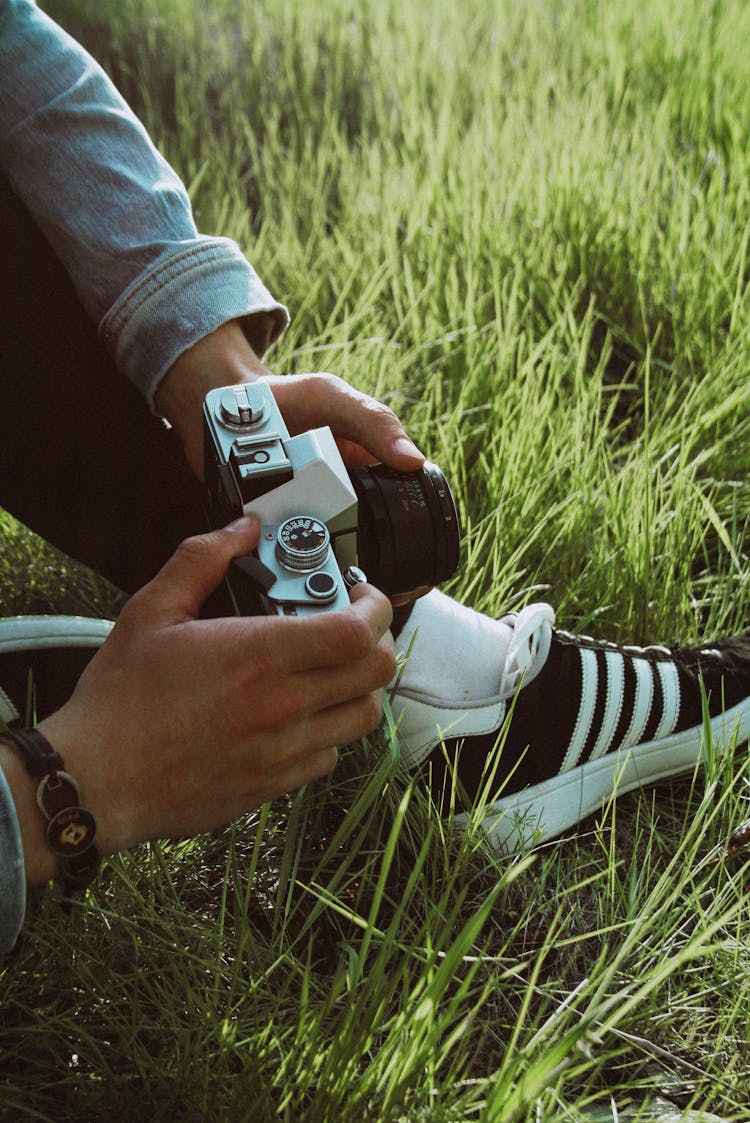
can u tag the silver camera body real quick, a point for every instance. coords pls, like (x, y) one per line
(299, 490)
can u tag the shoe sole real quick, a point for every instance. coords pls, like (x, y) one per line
(55, 648)
(539, 813)
(37, 633)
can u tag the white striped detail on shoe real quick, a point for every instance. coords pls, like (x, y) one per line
(589, 685)
(661, 689)
(670, 691)
(613, 703)
(642, 703)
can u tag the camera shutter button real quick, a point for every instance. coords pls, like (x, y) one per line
(353, 575)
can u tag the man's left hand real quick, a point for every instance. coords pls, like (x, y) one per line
(366, 431)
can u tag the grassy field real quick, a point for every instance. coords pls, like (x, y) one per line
(526, 227)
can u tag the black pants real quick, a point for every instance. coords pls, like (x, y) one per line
(82, 461)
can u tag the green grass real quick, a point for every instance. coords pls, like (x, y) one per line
(526, 227)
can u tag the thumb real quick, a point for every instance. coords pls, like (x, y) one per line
(196, 568)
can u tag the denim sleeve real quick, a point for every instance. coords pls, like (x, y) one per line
(115, 212)
(12, 872)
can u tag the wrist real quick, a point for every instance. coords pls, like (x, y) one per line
(69, 828)
(222, 358)
(80, 745)
(40, 862)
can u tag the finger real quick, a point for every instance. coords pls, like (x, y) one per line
(354, 455)
(193, 572)
(330, 639)
(306, 769)
(349, 721)
(249, 789)
(303, 769)
(322, 687)
(374, 427)
(351, 415)
(339, 724)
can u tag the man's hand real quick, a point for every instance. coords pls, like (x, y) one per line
(180, 724)
(365, 429)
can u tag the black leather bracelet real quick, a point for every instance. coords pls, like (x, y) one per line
(71, 828)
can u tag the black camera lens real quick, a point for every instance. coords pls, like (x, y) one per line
(408, 532)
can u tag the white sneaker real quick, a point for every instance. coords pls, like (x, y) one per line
(576, 719)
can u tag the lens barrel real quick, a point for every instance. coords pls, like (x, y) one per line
(408, 531)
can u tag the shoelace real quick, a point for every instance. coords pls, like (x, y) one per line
(529, 647)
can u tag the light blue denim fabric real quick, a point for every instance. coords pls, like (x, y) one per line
(12, 876)
(120, 220)
(116, 213)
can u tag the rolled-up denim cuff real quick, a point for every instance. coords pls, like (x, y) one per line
(12, 871)
(184, 295)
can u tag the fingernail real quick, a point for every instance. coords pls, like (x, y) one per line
(404, 447)
(240, 524)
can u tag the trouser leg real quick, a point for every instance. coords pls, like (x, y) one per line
(82, 461)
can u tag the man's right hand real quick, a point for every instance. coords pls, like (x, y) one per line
(179, 724)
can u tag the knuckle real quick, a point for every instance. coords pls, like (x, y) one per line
(377, 603)
(371, 711)
(357, 638)
(280, 717)
(323, 382)
(276, 713)
(379, 411)
(315, 765)
(328, 760)
(385, 664)
(195, 547)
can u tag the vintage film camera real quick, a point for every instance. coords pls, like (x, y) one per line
(323, 528)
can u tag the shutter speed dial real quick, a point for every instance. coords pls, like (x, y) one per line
(302, 543)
